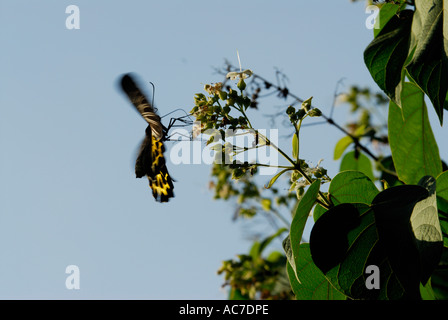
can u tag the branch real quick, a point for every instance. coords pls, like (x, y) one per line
(284, 92)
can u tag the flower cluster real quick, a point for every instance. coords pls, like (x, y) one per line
(299, 182)
(305, 110)
(213, 112)
(257, 277)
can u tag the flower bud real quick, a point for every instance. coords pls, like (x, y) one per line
(222, 95)
(207, 88)
(307, 104)
(295, 175)
(315, 112)
(300, 192)
(217, 109)
(194, 110)
(241, 84)
(290, 110)
(300, 114)
(266, 204)
(238, 173)
(226, 109)
(242, 121)
(246, 102)
(199, 96)
(320, 172)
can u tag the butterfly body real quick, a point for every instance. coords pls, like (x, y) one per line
(150, 160)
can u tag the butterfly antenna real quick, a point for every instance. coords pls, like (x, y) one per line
(153, 92)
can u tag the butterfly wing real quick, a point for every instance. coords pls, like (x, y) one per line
(143, 164)
(139, 100)
(160, 180)
(150, 160)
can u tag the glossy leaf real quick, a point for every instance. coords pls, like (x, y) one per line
(387, 173)
(442, 204)
(349, 187)
(414, 149)
(300, 218)
(386, 55)
(439, 279)
(362, 250)
(413, 251)
(357, 161)
(274, 178)
(426, 230)
(328, 240)
(258, 247)
(352, 187)
(341, 146)
(387, 11)
(314, 285)
(398, 232)
(429, 64)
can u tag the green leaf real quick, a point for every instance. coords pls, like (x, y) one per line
(295, 146)
(414, 148)
(360, 131)
(363, 250)
(314, 285)
(349, 187)
(258, 247)
(429, 64)
(352, 187)
(387, 11)
(442, 185)
(439, 279)
(407, 225)
(426, 292)
(400, 236)
(300, 218)
(341, 145)
(235, 294)
(318, 212)
(391, 179)
(286, 243)
(274, 178)
(426, 229)
(386, 55)
(335, 225)
(357, 161)
(442, 204)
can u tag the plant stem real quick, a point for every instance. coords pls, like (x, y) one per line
(283, 219)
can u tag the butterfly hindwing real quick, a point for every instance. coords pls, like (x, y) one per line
(160, 182)
(150, 160)
(143, 164)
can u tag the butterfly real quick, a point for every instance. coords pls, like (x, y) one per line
(150, 160)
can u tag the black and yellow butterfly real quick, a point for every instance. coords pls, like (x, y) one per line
(150, 160)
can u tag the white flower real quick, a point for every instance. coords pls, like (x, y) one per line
(242, 75)
(302, 183)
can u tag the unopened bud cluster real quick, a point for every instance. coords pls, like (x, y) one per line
(213, 112)
(306, 109)
(298, 182)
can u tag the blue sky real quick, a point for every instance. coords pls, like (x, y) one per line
(68, 136)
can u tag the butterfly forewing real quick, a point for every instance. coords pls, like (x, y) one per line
(139, 100)
(150, 160)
